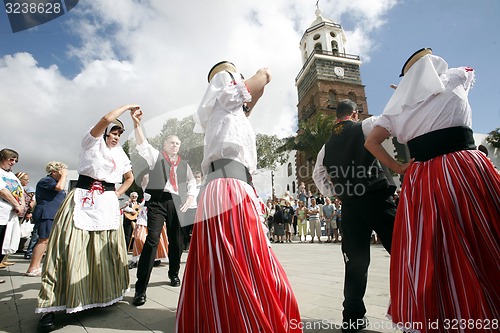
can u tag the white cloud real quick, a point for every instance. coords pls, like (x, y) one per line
(157, 54)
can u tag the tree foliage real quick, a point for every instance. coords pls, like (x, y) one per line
(493, 138)
(268, 156)
(191, 143)
(311, 136)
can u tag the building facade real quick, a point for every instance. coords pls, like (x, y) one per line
(328, 75)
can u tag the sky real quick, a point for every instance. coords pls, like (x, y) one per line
(58, 79)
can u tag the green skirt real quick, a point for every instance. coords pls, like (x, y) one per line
(82, 269)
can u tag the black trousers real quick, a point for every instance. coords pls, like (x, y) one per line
(160, 212)
(360, 215)
(127, 230)
(3, 228)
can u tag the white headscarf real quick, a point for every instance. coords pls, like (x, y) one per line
(425, 78)
(222, 81)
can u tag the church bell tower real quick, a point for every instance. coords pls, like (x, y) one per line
(329, 74)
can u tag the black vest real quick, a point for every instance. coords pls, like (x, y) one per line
(353, 170)
(159, 176)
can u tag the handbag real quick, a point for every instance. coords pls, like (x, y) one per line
(26, 228)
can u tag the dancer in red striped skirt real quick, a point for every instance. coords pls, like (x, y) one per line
(233, 281)
(445, 260)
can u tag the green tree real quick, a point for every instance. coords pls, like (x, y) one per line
(268, 156)
(311, 136)
(493, 138)
(191, 143)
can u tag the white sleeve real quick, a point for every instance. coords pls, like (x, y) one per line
(149, 153)
(385, 122)
(320, 175)
(191, 182)
(368, 124)
(228, 93)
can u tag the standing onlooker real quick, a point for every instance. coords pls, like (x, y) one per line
(130, 210)
(50, 194)
(233, 281)
(302, 195)
(11, 205)
(86, 261)
(445, 264)
(302, 220)
(172, 187)
(328, 211)
(288, 220)
(295, 220)
(279, 224)
(345, 168)
(338, 217)
(320, 200)
(270, 219)
(314, 223)
(27, 215)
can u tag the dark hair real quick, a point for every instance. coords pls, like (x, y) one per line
(7, 153)
(483, 149)
(116, 127)
(345, 108)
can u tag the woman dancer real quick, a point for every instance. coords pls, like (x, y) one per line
(233, 281)
(445, 259)
(86, 261)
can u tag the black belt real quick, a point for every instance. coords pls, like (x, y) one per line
(226, 168)
(86, 183)
(440, 142)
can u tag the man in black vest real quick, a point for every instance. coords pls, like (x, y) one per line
(344, 168)
(172, 187)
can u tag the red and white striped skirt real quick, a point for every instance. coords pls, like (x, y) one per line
(233, 281)
(445, 258)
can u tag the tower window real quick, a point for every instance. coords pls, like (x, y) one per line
(352, 96)
(332, 99)
(316, 37)
(290, 169)
(335, 48)
(318, 47)
(333, 34)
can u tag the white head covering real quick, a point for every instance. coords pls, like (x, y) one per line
(424, 78)
(221, 81)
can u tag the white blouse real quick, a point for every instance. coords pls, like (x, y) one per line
(228, 133)
(9, 181)
(97, 209)
(100, 162)
(442, 110)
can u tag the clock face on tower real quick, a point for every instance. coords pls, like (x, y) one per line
(339, 71)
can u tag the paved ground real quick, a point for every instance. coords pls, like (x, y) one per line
(315, 271)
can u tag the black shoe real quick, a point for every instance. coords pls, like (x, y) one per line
(139, 299)
(46, 322)
(175, 281)
(157, 263)
(354, 325)
(133, 264)
(27, 256)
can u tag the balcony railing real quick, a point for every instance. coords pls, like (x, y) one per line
(328, 53)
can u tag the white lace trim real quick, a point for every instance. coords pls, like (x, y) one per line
(79, 308)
